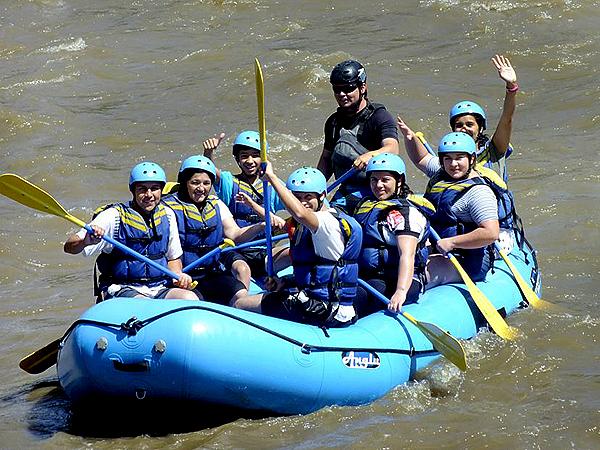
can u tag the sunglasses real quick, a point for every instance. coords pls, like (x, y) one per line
(345, 88)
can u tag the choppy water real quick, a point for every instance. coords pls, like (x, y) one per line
(87, 89)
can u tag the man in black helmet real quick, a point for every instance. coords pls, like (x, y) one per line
(356, 132)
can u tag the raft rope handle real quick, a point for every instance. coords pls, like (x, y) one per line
(133, 325)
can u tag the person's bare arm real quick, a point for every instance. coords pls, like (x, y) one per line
(302, 215)
(501, 137)
(415, 149)
(210, 145)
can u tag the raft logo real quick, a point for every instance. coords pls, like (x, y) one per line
(360, 360)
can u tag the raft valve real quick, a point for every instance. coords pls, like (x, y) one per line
(102, 344)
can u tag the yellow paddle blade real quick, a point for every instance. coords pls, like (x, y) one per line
(529, 294)
(227, 243)
(442, 341)
(28, 194)
(488, 310)
(171, 186)
(41, 359)
(421, 137)
(260, 99)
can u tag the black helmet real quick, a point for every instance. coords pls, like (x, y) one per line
(348, 72)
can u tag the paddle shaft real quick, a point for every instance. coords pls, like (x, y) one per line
(131, 252)
(349, 173)
(221, 249)
(442, 341)
(262, 131)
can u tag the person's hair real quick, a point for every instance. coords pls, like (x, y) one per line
(183, 178)
(482, 138)
(404, 189)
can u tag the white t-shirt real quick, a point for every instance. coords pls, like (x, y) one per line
(404, 222)
(109, 221)
(224, 210)
(328, 242)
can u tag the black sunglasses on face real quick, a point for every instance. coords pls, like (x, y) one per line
(345, 88)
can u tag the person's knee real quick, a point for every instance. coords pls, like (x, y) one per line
(182, 294)
(241, 269)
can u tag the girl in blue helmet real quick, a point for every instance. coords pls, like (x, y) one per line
(466, 216)
(143, 224)
(203, 222)
(243, 195)
(324, 248)
(395, 231)
(468, 117)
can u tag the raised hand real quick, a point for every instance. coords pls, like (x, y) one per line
(404, 129)
(505, 70)
(211, 144)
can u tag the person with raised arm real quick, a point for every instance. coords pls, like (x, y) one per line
(243, 195)
(324, 248)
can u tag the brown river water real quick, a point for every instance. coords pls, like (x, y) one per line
(88, 89)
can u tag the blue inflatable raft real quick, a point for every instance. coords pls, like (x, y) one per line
(195, 351)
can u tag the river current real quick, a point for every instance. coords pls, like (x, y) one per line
(88, 89)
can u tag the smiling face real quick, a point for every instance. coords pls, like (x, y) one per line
(457, 165)
(310, 200)
(349, 96)
(249, 160)
(146, 195)
(383, 184)
(467, 124)
(198, 187)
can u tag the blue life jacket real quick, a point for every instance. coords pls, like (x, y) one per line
(242, 213)
(199, 230)
(506, 204)
(377, 256)
(150, 240)
(321, 278)
(444, 194)
(485, 146)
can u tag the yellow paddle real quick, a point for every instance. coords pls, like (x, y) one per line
(262, 131)
(484, 305)
(527, 292)
(41, 359)
(442, 341)
(28, 194)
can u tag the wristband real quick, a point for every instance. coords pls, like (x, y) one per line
(515, 88)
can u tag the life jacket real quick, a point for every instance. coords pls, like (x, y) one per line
(199, 230)
(242, 213)
(152, 241)
(444, 194)
(438, 185)
(321, 278)
(377, 256)
(348, 147)
(485, 146)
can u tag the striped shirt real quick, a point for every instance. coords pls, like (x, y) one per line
(477, 205)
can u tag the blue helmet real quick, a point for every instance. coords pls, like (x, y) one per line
(247, 139)
(147, 171)
(468, 107)
(457, 142)
(199, 162)
(388, 162)
(307, 179)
